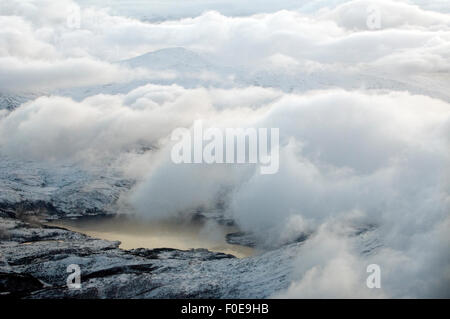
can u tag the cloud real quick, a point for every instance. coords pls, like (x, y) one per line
(37, 41)
(330, 268)
(353, 15)
(379, 155)
(330, 265)
(348, 158)
(172, 9)
(31, 75)
(59, 127)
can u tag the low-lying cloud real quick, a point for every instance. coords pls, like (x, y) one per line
(374, 159)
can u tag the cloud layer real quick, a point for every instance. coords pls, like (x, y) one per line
(367, 157)
(73, 45)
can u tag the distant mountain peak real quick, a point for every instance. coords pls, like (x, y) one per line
(169, 58)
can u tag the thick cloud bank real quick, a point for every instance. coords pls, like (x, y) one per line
(350, 159)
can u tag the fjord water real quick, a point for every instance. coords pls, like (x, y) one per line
(137, 233)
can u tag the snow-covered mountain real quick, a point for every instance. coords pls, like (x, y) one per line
(190, 69)
(179, 59)
(11, 100)
(61, 189)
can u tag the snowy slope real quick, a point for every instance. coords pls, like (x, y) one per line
(68, 188)
(10, 100)
(110, 272)
(190, 69)
(180, 59)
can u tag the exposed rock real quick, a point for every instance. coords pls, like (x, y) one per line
(34, 260)
(41, 254)
(10, 101)
(194, 254)
(241, 238)
(58, 189)
(18, 285)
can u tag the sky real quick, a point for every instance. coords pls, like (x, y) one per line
(350, 154)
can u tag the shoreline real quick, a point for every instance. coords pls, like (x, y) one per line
(134, 233)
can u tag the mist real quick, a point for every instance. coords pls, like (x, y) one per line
(375, 154)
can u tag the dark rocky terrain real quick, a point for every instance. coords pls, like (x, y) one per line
(34, 260)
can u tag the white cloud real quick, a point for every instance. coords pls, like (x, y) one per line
(353, 15)
(378, 156)
(411, 41)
